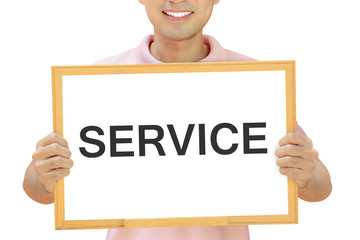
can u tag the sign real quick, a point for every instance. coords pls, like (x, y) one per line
(158, 145)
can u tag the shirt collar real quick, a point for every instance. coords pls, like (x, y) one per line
(216, 54)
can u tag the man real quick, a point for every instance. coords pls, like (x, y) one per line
(178, 37)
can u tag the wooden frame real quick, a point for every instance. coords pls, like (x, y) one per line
(58, 72)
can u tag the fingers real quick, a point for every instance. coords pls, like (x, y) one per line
(296, 151)
(52, 160)
(296, 157)
(53, 163)
(300, 176)
(290, 150)
(53, 149)
(297, 145)
(296, 139)
(287, 162)
(296, 162)
(52, 138)
(49, 179)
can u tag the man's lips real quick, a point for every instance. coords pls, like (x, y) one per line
(177, 14)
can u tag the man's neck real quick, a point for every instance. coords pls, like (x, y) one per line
(168, 50)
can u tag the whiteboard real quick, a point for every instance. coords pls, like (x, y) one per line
(213, 180)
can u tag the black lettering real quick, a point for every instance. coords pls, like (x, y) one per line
(181, 150)
(214, 142)
(248, 137)
(114, 141)
(155, 141)
(96, 142)
(202, 139)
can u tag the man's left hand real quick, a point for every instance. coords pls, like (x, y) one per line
(297, 158)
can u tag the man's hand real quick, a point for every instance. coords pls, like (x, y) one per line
(52, 160)
(297, 158)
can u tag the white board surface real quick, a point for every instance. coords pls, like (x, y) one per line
(192, 185)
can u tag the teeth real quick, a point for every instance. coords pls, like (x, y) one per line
(177, 14)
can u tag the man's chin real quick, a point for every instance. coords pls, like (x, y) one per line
(180, 35)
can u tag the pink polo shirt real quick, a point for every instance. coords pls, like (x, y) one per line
(140, 55)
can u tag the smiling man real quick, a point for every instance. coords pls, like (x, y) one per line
(178, 29)
(178, 37)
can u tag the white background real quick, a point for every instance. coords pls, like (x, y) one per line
(322, 36)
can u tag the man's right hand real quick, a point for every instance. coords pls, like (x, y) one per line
(52, 160)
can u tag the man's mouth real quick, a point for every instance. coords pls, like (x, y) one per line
(177, 14)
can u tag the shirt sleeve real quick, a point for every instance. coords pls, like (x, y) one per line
(300, 130)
